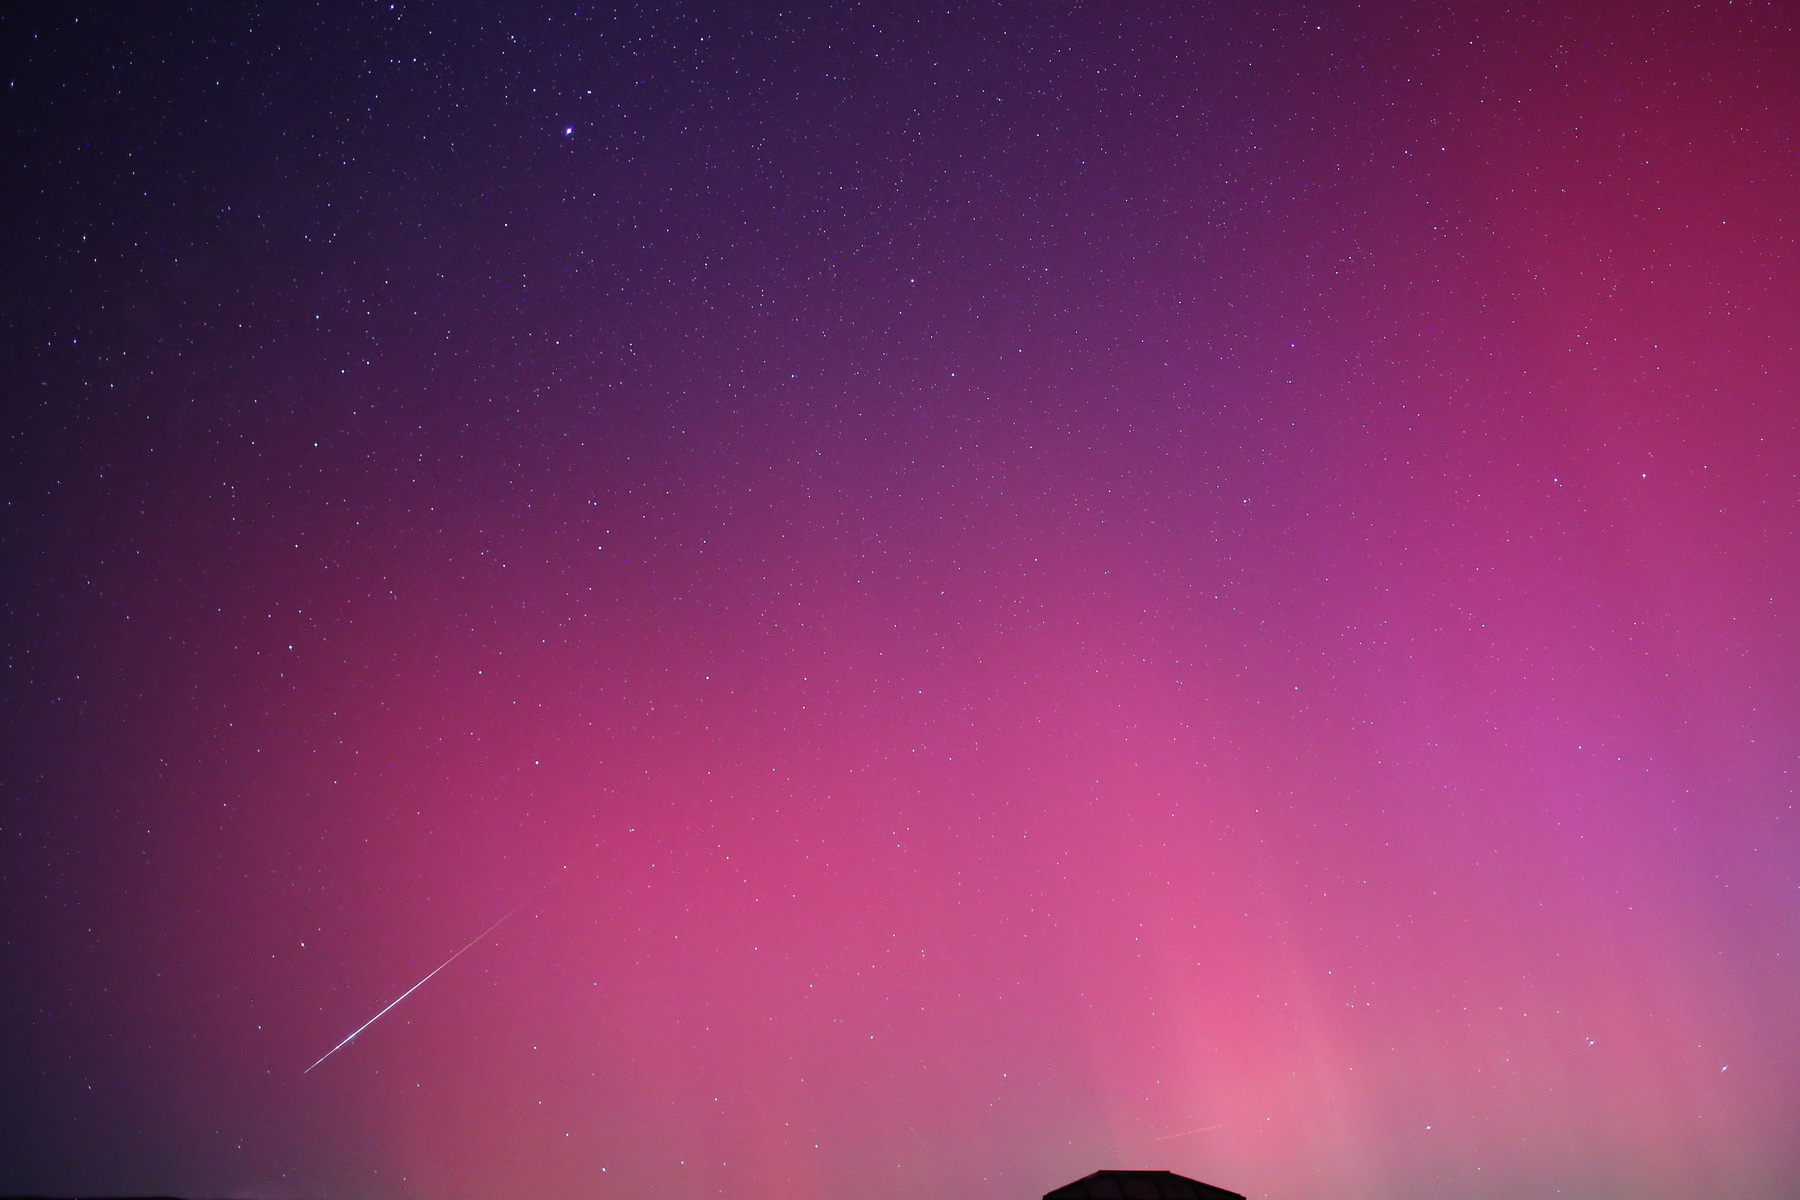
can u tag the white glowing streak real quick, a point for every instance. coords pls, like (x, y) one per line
(415, 987)
(1189, 1133)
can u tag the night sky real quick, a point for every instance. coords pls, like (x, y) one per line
(1014, 587)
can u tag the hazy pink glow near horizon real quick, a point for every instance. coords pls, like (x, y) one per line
(1312, 709)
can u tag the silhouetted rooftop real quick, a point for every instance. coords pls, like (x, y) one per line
(1139, 1185)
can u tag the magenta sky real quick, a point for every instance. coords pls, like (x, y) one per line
(1048, 587)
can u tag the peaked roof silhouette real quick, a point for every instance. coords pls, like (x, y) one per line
(1139, 1185)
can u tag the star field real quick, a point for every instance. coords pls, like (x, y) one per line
(1019, 588)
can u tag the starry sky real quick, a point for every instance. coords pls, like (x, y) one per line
(1006, 588)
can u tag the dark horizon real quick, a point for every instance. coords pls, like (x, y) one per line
(1098, 1185)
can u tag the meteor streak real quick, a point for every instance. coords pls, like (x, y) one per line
(1188, 1133)
(415, 987)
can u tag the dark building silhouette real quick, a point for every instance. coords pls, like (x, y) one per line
(1139, 1185)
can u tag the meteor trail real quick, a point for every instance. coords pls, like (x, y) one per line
(415, 987)
(1167, 1136)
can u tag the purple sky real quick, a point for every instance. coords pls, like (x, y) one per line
(1039, 586)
